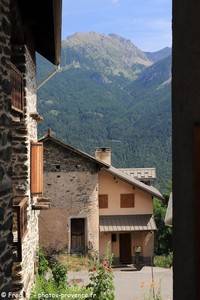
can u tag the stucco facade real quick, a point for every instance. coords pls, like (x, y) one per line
(113, 187)
(145, 239)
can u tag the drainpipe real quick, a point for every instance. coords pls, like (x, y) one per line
(58, 69)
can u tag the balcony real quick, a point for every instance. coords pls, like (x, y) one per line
(17, 92)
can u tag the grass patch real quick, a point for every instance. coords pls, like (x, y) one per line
(163, 261)
(74, 263)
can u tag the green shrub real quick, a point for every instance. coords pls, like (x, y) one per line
(101, 281)
(163, 236)
(44, 287)
(59, 274)
(43, 263)
(163, 261)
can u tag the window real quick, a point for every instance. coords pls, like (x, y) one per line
(37, 168)
(114, 237)
(17, 92)
(58, 167)
(103, 201)
(20, 224)
(127, 200)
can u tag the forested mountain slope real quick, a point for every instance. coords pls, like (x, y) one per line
(109, 93)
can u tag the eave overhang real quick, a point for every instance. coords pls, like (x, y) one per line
(44, 19)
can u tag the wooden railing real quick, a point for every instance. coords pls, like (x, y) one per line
(17, 93)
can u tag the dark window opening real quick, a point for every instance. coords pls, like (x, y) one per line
(114, 237)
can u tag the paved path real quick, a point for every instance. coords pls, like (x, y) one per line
(133, 285)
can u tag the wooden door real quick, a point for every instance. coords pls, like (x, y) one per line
(125, 248)
(77, 235)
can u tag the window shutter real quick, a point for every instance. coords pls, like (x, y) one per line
(127, 200)
(103, 201)
(17, 97)
(37, 168)
(20, 223)
(23, 218)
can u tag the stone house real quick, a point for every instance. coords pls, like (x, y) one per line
(23, 31)
(94, 206)
(71, 183)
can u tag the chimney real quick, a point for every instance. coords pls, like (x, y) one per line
(103, 154)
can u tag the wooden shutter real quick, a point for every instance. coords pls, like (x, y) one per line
(17, 92)
(103, 201)
(23, 217)
(37, 168)
(127, 200)
(20, 226)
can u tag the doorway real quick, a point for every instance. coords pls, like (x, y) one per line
(78, 235)
(125, 248)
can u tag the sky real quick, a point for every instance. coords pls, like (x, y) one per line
(147, 23)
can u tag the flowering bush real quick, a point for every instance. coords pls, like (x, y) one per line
(101, 281)
(153, 290)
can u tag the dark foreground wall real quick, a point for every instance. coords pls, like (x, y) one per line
(5, 150)
(186, 114)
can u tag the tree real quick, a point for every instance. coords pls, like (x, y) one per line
(163, 244)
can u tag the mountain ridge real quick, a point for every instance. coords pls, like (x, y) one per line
(89, 107)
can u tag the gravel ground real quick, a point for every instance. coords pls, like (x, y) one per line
(134, 285)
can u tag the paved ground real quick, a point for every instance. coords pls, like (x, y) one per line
(133, 285)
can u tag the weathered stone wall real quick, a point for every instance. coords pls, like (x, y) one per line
(5, 150)
(71, 182)
(24, 131)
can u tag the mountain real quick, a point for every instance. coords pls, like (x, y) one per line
(107, 54)
(159, 55)
(108, 93)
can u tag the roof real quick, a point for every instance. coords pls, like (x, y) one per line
(49, 137)
(44, 19)
(126, 223)
(168, 216)
(116, 172)
(141, 173)
(130, 179)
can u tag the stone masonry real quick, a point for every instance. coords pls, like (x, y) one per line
(17, 131)
(71, 183)
(24, 132)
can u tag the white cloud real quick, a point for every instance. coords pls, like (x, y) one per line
(115, 1)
